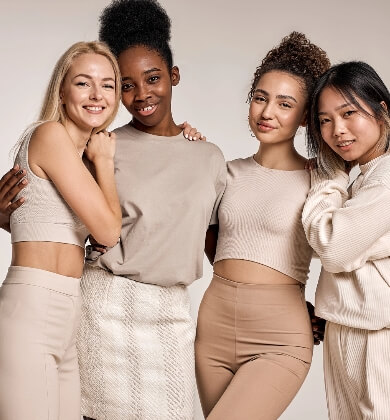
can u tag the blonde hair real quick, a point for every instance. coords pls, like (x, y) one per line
(52, 108)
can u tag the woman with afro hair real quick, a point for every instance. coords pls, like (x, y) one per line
(136, 338)
(254, 339)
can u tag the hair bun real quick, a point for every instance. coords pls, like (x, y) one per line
(124, 23)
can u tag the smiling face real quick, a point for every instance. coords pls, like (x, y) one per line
(277, 108)
(147, 88)
(88, 92)
(348, 131)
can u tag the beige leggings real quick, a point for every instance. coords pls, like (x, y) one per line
(39, 377)
(253, 349)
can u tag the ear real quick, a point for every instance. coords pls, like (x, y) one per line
(61, 96)
(384, 106)
(304, 119)
(175, 75)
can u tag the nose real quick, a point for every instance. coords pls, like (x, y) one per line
(142, 92)
(339, 127)
(96, 93)
(268, 111)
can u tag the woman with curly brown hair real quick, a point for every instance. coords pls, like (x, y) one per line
(254, 340)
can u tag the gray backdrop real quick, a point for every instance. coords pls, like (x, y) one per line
(217, 45)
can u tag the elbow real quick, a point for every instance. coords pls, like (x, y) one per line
(108, 235)
(334, 264)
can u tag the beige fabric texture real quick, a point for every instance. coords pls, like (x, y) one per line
(44, 216)
(260, 218)
(356, 365)
(350, 232)
(169, 189)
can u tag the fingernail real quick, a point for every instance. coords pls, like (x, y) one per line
(24, 181)
(16, 166)
(190, 137)
(186, 136)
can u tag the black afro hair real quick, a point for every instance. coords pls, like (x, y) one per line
(129, 23)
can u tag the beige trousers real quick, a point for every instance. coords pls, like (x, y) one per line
(357, 373)
(253, 349)
(39, 376)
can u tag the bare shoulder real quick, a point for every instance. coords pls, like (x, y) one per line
(46, 133)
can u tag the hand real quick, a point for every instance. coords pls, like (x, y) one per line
(95, 246)
(101, 145)
(317, 325)
(191, 133)
(10, 185)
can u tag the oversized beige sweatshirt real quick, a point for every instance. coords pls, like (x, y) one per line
(350, 232)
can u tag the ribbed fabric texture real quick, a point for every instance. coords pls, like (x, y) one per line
(136, 349)
(260, 218)
(356, 367)
(350, 232)
(44, 216)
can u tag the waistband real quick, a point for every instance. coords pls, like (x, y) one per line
(255, 293)
(42, 278)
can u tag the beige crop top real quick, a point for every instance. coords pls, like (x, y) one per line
(44, 216)
(260, 218)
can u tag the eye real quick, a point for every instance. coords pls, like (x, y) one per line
(347, 114)
(324, 120)
(108, 86)
(285, 105)
(259, 98)
(82, 84)
(153, 79)
(127, 86)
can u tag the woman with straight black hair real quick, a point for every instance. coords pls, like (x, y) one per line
(349, 228)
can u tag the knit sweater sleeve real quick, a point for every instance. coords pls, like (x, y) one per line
(345, 233)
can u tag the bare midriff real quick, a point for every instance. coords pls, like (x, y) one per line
(64, 259)
(243, 271)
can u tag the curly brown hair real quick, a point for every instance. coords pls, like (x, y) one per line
(297, 56)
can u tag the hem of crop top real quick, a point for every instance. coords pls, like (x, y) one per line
(42, 232)
(282, 270)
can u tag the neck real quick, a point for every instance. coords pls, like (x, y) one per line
(78, 135)
(282, 156)
(166, 128)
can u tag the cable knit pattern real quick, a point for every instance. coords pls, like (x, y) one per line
(135, 349)
(350, 232)
(45, 216)
(260, 218)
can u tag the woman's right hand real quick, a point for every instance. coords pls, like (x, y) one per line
(10, 185)
(101, 145)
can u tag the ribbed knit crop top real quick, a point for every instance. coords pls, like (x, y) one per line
(44, 216)
(260, 218)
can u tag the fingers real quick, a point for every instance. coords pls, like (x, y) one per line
(10, 185)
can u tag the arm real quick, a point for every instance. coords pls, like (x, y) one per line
(345, 232)
(96, 203)
(210, 245)
(10, 185)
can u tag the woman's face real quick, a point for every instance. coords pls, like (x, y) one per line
(147, 88)
(277, 108)
(347, 130)
(88, 91)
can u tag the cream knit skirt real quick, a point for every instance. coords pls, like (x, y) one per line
(135, 347)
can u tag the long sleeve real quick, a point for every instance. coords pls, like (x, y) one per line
(345, 233)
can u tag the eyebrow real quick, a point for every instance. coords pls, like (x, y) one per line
(264, 92)
(336, 109)
(89, 77)
(146, 72)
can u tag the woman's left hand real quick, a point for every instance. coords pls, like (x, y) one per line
(191, 133)
(317, 325)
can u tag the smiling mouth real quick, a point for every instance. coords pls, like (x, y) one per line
(345, 143)
(148, 110)
(265, 127)
(94, 108)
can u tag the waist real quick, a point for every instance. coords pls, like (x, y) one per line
(42, 278)
(249, 272)
(62, 259)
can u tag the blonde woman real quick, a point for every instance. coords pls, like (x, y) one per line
(40, 299)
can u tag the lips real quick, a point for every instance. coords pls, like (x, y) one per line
(147, 110)
(263, 126)
(345, 143)
(94, 109)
